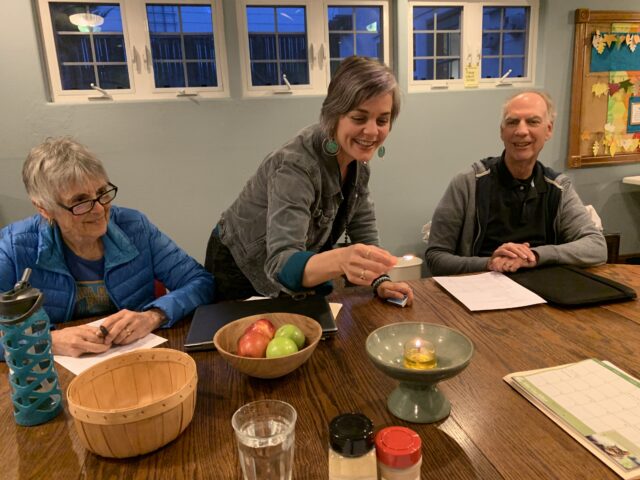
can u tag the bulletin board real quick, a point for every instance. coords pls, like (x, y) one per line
(604, 127)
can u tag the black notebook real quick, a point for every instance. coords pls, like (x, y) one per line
(208, 319)
(568, 286)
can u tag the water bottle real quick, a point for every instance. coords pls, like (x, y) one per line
(25, 337)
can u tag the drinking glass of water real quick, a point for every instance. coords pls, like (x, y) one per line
(265, 431)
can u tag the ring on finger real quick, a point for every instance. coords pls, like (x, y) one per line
(368, 254)
(363, 275)
(128, 331)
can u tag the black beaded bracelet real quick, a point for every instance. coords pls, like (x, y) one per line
(378, 281)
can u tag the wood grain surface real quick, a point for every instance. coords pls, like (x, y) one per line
(492, 432)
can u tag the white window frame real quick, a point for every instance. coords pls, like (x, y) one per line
(317, 42)
(135, 30)
(471, 44)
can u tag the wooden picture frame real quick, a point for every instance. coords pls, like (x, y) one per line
(598, 94)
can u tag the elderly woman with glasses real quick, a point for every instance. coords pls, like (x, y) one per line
(91, 258)
(281, 233)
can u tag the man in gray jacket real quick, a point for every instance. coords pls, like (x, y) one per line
(511, 212)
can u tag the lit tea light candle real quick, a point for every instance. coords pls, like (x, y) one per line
(419, 354)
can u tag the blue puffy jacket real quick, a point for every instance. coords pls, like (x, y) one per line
(135, 252)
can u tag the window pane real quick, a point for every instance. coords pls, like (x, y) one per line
(168, 74)
(77, 77)
(291, 19)
(111, 16)
(448, 44)
(288, 28)
(199, 47)
(490, 44)
(515, 64)
(113, 76)
(202, 74)
(368, 19)
(264, 73)
(196, 19)
(448, 18)
(513, 43)
(79, 33)
(423, 69)
(74, 48)
(423, 44)
(293, 47)
(297, 72)
(262, 47)
(60, 13)
(110, 48)
(491, 17)
(368, 45)
(423, 18)
(447, 69)
(490, 68)
(261, 19)
(340, 18)
(163, 18)
(515, 18)
(182, 33)
(166, 47)
(341, 45)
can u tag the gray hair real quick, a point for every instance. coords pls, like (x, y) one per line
(55, 163)
(551, 108)
(357, 80)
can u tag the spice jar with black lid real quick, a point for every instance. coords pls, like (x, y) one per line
(352, 453)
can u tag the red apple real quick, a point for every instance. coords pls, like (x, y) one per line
(263, 326)
(252, 344)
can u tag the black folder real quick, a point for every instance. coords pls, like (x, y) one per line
(567, 286)
(208, 319)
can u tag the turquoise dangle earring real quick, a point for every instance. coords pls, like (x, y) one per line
(381, 151)
(330, 147)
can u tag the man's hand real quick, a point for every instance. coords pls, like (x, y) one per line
(509, 257)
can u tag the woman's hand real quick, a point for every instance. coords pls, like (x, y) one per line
(397, 290)
(126, 326)
(74, 341)
(362, 264)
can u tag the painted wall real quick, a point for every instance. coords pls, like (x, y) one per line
(183, 163)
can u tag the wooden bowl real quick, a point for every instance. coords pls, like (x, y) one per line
(134, 403)
(226, 340)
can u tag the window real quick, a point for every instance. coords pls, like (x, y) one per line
(354, 30)
(504, 41)
(286, 52)
(446, 36)
(133, 50)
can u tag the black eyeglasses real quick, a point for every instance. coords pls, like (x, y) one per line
(86, 206)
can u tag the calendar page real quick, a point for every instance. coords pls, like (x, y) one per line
(596, 403)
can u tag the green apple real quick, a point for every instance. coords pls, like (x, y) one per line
(281, 346)
(291, 331)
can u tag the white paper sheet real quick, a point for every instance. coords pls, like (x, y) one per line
(80, 364)
(488, 291)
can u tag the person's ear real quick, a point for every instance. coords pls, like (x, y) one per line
(549, 132)
(42, 211)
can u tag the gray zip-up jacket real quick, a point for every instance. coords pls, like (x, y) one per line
(288, 206)
(456, 227)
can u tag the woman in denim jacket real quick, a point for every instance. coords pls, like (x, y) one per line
(278, 236)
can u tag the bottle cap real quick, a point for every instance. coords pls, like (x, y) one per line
(398, 447)
(351, 434)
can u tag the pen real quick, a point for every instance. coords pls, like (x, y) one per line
(104, 331)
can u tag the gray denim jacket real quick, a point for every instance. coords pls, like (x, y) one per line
(289, 205)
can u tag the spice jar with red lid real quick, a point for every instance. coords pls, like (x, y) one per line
(399, 454)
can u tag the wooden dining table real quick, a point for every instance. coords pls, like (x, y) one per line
(492, 432)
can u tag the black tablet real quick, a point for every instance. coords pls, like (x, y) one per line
(208, 319)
